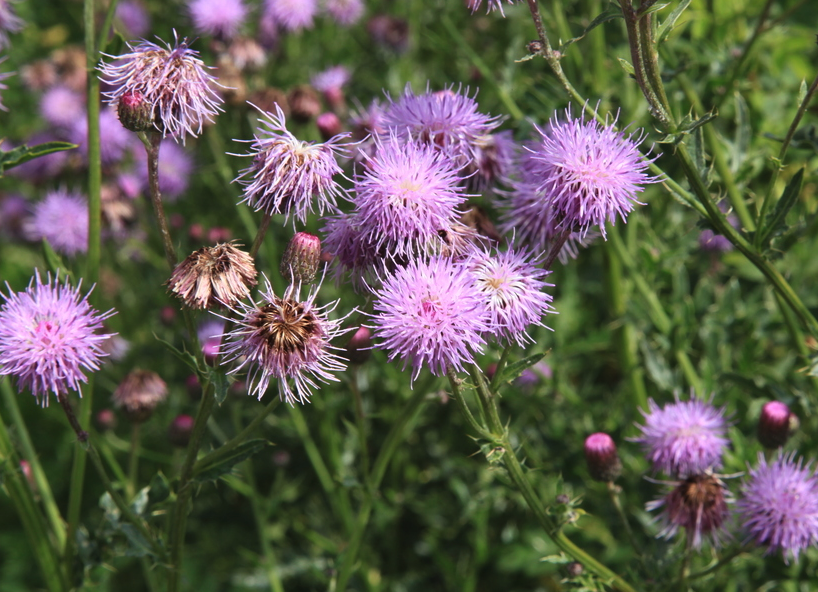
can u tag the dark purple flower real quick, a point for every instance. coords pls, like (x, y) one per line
(776, 424)
(62, 219)
(48, 338)
(779, 505)
(219, 18)
(684, 438)
(171, 79)
(284, 338)
(430, 314)
(588, 173)
(292, 15)
(287, 175)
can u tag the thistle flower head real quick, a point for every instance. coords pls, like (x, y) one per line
(62, 107)
(139, 393)
(512, 286)
(219, 18)
(133, 18)
(334, 78)
(287, 174)
(3, 76)
(49, 337)
(301, 259)
(9, 22)
(344, 12)
(684, 438)
(430, 314)
(776, 424)
(494, 159)
(699, 505)
(491, 5)
(446, 120)
(171, 79)
(292, 15)
(588, 173)
(779, 505)
(284, 338)
(213, 275)
(62, 219)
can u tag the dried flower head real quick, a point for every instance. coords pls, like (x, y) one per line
(699, 505)
(62, 219)
(684, 438)
(287, 174)
(588, 173)
(214, 275)
(779, 505)
(284, 338)
(602, 458)
(49, 337)
(171, 79)
(139, 393)
(430, 314)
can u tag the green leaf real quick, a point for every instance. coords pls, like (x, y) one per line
(744, 133)
(557, 559)
(670, 22)
(21, 154)
(652, 8)
(219, 382)
(222, 466)
(627, 66)
(613, 11)
(184, 356)
(159, 489)
(54, 261)
(138, 545)
(512, 371)
(775, 222)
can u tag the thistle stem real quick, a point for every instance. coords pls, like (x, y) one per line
(262, 230)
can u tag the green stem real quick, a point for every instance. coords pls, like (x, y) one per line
(133, 459)
(153, 142)
(102, 41)
(360, 420)
(501, 364)
(43, 487)
(395, 436)
(720, 563)
(262, 230)
(797, 336)
(690, 372)
(613, 491)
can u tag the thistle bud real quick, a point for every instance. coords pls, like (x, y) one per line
(603, 461)
(301, 258)
(105, 420)
(180, 430)
(139, 393)
(776, 424)
(328, 125)
(134, 112)
(358, 348)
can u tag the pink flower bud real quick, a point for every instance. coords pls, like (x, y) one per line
(134, 112)
(329, 125)
(301, 258)
(359, 347)
(776, 424)
(603, 461)
(180, 430)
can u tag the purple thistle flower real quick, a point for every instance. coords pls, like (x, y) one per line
(494, 160)
(491, 5)
(684, 438)
(446, 120)
(779, 505)
(292, 15)
(344, 240)
(699, 505)
(3, 76)
(219, 18)
(331, 79)
(48, 337)
(286, 173)
(588, 173)
(62, 107)
(175, 167)
(406, 196)
(344, 12)
(512, 286)
(9, 22)
(62, 219)
(429, 313)
(287, 339)
(114, 141)
(210, 333)
(173, 80)
(133, 18)
(14, 209)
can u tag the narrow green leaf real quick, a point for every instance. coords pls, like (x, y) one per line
(512, 371)
(138, 545)
(627, 66)
(54, 261)
(670, 22)
(613, 11)
(21, 154)
(775, 222)
(222, 466)
(743, 133)
(802, 92)
(184, 356)
(653, 8)
(159, 489)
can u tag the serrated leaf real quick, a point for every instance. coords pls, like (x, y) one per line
(159, 489)
(776, 220)
(514, 370)
(219, 382)
(697, 152)
(138, 546)
(669, 23)
(627, 66)
(222, 466)
(613, 11)
(21, 154)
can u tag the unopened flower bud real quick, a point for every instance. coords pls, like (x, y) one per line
(603, 461)
(575, 569)
(328, 125)
(301, 258)
(776, 424)
(105, 420)
(139, 393)
(168, 315)
(180, 430)
(134, 112)
(358, 348)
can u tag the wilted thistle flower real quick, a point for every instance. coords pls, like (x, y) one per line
(286, 173)
(684, 438)
(430, 314)
(779, 505)
(173, 80)
(292, 15)
(603, 460)
(776, 424)
(699, 505)
(9, 22)
(301, 258)
(213, 275)
(491, 5)
(446, 120)
(48, 338)
(139, 393)
(588, 173)
(220, 18)
(512, 286)
(62, 219)
(284, 338)
(407, 194)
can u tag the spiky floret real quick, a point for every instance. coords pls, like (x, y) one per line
(287, 173)
(171, 79)
(284, 338)
(49, 337)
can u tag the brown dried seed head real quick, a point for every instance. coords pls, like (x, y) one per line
(212, 275)
(139, 393)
